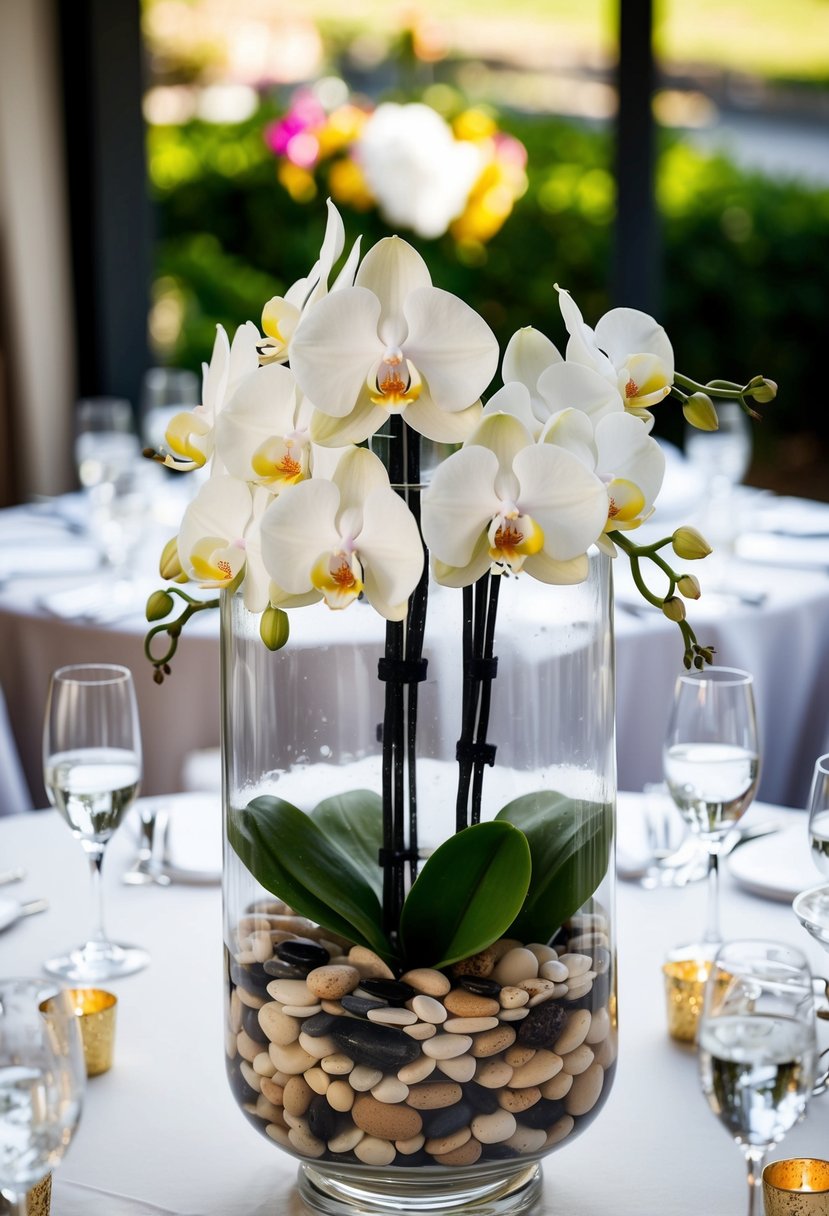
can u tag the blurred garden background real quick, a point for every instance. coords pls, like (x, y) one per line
(257, 112)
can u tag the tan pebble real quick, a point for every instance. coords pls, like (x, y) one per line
(418, 1070)
(574, 1033)
(277, 1025)
(540, 1068)
(557, 1087)
(421, 1031)
(516, 1100)
(560, 1130)
(578, 1061)
(413, 1145)
(461, 1068)
(333, 948)
(280, 1134)
(585, 1092)
(433, 1095)
(599, 1027)
(576, 964)
(280, 1078)
(391, 1089)
(516, 965)
(586, 943)
(601, 960)
(346, 1140)
(494, 1128)
(513, 1015)
(428, 1009)
(482, 963)
(302, 1011)
(397, 1122)
(465, 1004)
(291, 992)
(339, 960)
(576, 991)
(318, 1046)
(469, 1025)
(537, 989)
(511, 997)
(369, 964)
(252, 924)
(250, 999)
(428, 981)
(264, 1065)
(555, 970)
(253, 1079)
(297, 1095)
(266, 1110)
(503, 945)
(230, 1044)
(589, 920)
(235, 1011)
(559, 990)
(391, 1015)
(272, 1091)
(440, 1145)
(492, 1041)
(330, 982)
(291, 1059)
(337, 1065)
(362, 1078)
(333, 1007)
(261, 946)
(466, 1154)
(542, 952)
(318, 1080)
(527, 1139)
(373, 1151)
(606, 1051)
(247, 1047)
(340, 1096)
(493, 1074)
(447, 1046)
(518, 1055)
(305, 1142)
(245, 958)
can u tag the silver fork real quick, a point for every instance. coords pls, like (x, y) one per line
(147, 868)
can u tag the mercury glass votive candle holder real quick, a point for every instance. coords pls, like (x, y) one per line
(797, 1186)
(95, 1009)
(684, 990)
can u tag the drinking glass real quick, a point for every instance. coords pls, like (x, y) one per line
(165, 392)
(106, 445)
(757, 1046)
(819, 815)
(722, 456)
(42, 1078)
(711, 763)
(92, 774)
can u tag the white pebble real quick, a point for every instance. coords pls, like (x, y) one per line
(494, 1128)
(337, 1065)
(292, 992)
(346, 1140)
(372, 1151)
(461, 1068)
(362, 1078)
(447, 1046)
(576, 964)
(391, 1015)
(390, 1090)
(469, 1025)
(554, 970)
(516, 965)
(428, 1009)
(418, 1070)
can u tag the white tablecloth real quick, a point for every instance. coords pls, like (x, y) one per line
(163, 1129)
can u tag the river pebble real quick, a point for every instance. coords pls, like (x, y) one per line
(385, 1047)
(575, 1031)
(332, 982)
(494, 1128)
(459, 1068)
(465, 1004)
(427, 981)
(397, 1122)
(439, 1145)
(418, 1070)
(390, 1089)
(392, 1015)
(428, 1009)
(373, 1151)
(446, 1046)
(466, 1154)
(369, 964)
(469, 1025)
(340, 1096)
(516, 965)
(490, 1042)
(299, 951)
(434, 1094)
(585, 1091)
(363, 1079)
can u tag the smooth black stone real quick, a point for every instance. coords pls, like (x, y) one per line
(542, 1025)
(241, 1090)
(303, 952)
(250, 1025)
(498, 1152)
(361, 1004)
(412, 1160)
(447, 1119)
(383, 1047)
(479, 985)
(255, 981)
(393, 991)
(276, 969)
(480, 1098)
(322, 1120)
(543, 1114)
(319, 1024)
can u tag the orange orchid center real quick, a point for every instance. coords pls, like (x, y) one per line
(631, 389)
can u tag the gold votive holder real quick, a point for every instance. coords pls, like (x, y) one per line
(684, 989)
(95, 1010)
(797, 1186)
(39, 1198)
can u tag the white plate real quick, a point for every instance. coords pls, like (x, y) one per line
(778, 866)
(193, 842)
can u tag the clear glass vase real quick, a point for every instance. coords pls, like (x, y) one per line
(403, 1083)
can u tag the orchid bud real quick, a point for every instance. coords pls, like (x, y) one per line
(159, 605)
(274, 628)
(690, 544)
(689, 586)
(673, 608)
(761, 389)
(700, 413)
(169, 565)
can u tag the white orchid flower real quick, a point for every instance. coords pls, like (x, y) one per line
(218, 540)
(543, 391)
(627, 347)
(262, 433)
(506, 504)
(190, 435)
(630, 464)
(529, 353)
(335, 539)
(393, 343)
(282, 314)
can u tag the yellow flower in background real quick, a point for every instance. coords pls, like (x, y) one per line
(344, 125)
(348, 185)
(299, 182)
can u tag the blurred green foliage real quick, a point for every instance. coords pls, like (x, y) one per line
(745, 289)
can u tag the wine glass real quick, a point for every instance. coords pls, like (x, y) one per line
(819, 815)
(42, 1078)
(758, 1046)
(722, 456)
(711, 763)
(92, 774)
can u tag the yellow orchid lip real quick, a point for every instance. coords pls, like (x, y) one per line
(338, 577)
(395, 383)
(277, 461)
(512, 540)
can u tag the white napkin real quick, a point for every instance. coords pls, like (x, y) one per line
(777, 550)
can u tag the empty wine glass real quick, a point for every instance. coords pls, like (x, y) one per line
(819, 815)
(42, 1078)
(711, 763)
(757, 1046)
(92, 774)
(722, 456)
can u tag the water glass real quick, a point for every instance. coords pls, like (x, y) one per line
(819, 815)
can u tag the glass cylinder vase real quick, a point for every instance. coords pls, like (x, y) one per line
(415, 1072)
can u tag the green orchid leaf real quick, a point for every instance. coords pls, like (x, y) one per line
(569, 842)
(354, 822)
(466, 895)
(292, 858)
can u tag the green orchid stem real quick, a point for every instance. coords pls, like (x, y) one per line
(715, 388)
(173, 629)
(634, 553)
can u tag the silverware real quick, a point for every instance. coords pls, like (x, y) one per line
(7, 876)
(11, 912)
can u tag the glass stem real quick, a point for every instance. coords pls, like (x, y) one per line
(15, 1203)
(95, 856)
(754, 1165)
(712, 915)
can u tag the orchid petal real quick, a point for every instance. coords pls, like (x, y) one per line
(514, 398)
(279, 598)
(624, 449)
(645, 380)
(279, 320)
(573, 431)
(244, 359)
(221, 508)
(626, 502)
(391, 551)
(559, 573)
(214, 373)
(332, 246)
(392, 269)
(346, 276)
(256, 583)
(358, 473)
(506, 436)
(334, 347)
(529, 352)
(459, 504)
(295, 529)
(606, 545)
(262, 408)
(190, 435)
(425, 418)
(582, 346)
(565, 499)
(463, 576)
(451, 346)
(623, 332)
(364, 420)
(573, 385)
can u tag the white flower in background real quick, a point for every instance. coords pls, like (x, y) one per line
(335, 539)
(393, 343)
(507, 504)
(262, 433)
(218, 540)
(190, 435)
(282, 314)
(419, 173)
(627, 347)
